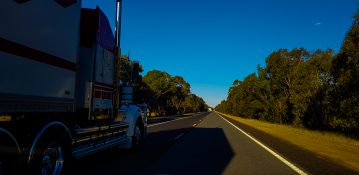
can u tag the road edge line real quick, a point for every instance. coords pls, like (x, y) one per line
(170, 121)
(285, 161)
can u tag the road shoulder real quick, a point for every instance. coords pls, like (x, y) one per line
(309, 161)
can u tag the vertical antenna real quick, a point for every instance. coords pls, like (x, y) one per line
(118, 24)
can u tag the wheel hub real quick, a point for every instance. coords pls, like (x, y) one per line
(53, 160)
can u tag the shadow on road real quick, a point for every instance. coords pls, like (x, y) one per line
(200, 151)
(203, 151)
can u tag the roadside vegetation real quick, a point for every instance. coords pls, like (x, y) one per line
(336, 147)
(317, 90)
(167, 95)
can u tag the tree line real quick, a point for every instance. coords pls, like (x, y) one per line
(166, 94)
(317, 90)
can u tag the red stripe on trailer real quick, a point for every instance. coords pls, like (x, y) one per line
(34, 54)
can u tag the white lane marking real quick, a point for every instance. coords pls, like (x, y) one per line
(169, 121)
(179, 136)
(292, 166)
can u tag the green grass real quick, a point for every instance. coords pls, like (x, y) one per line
(341, 149)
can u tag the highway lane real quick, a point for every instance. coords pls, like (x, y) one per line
(161, 136)
(216, 147)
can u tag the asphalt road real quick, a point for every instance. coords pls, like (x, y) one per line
(216, 147)
(162, 135)
(208, 144)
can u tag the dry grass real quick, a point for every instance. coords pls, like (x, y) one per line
(338, 148)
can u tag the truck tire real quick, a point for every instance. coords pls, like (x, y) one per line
(50, 156)
(138, 137)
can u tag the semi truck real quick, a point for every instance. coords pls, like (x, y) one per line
(61, 92)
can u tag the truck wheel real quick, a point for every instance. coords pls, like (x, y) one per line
(50, 156)
(137, 138)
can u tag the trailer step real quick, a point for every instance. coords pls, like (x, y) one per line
(99, 146)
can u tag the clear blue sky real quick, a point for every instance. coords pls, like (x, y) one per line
(211, 43)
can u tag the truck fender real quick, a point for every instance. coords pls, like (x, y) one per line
(52, 125)
(132, 114)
